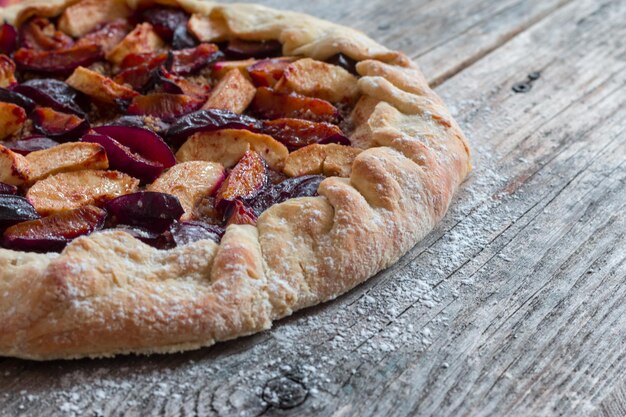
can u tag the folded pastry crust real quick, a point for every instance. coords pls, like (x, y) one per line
(109, 293)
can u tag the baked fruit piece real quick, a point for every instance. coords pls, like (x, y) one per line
(230, 163)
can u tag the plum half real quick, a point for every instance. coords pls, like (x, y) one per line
(209, 120)
(305, 186)
(245, 181)
(15, 209)
(57, 125)
(151, 210)
(298, 133)
(48, 92)
(53, 233)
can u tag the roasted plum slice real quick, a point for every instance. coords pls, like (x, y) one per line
(298, 133)
(164, 20)
(305, 186)
(48, 92)
(8, 39)
(190, 60)
(183, 38)
(39, 34)
(270, 104)
(152, 123)
(267, 72)
(107, 36)
(154, 211)
(163, 81)
(153, 60)
(31, 144)
(209, 120)
(157, 240)
(7, 72)
(7, 189)
(137, 77)
(14, 209)
(9, 96)
(142, 141)
(168, 107)
(53, 233)
(58, 61)
(184, 233)
(344, 62)
(243, 182)
(239, 213)
(58, 126)
(123, 159)
(240, 49)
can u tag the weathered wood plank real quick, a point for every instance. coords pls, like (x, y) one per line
(444, 36)
(513, 306)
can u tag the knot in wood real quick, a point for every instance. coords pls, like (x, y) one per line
(522, 87)
(284, 392)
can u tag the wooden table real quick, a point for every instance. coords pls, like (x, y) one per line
(514, 305)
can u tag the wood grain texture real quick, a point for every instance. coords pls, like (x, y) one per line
(513, 306)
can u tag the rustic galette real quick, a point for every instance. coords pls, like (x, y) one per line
(176, 173)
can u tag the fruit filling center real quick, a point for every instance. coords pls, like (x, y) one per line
(159, 123)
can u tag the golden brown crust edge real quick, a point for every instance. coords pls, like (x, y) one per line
(301, 253)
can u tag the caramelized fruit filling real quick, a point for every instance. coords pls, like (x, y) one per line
(190, 136)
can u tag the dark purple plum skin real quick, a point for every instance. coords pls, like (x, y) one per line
(160, 127)
(142, 141)
(164, 20)
(206, 121)
(9, 96)
(8, 39)
(184, 233)
(240, 49)
(149, 237)
(69, 134)
(7, 189)
(154, 211)
(305, 186)
(344, 62)
(31, 144)
(15, 209)
(48, 92)
(122, 159)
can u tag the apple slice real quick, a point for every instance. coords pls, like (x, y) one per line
(14, 168)
(318, 79)
(270, 104)
(57, 125)
(71, 190)
(221, 68)
(12, 118)
(207, 29)
(86, 15)
(99, 87)
(329, 160)
(75, 156)
(233, 92)
(267, 72)
(53, 233)
(245, 181)
(228, 146)
(7, 72)
(143, 39)
(190, 182)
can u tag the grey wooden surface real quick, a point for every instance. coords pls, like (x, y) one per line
(514, 305)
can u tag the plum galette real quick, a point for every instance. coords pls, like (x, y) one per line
(176, 173)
